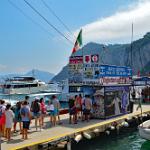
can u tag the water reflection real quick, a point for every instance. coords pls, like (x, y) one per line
(145, 145)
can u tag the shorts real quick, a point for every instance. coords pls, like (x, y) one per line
(86, 111)
(16, 119)
(36, 114)
(53, 112)
(26, 124)
(72, 111)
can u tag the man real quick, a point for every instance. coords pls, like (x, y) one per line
(133, 94)
(56, 104)
(87, 107)
(26, 117)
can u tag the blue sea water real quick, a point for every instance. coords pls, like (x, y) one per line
(13, 98)
(124, 141)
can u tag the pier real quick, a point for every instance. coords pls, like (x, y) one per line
(61, 134)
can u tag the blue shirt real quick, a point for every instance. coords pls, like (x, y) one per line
(26, 116)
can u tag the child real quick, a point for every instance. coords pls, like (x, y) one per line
(9, 121)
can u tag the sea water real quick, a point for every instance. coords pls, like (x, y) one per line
(123, 141)
(13, 98)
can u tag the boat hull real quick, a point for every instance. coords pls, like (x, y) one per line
(144, 130)
(27, 90)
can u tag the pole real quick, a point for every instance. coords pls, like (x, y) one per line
(82, 71)
(131, 47)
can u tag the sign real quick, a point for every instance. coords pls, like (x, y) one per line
(95, 58)
(87, 59)
(116, 88)
(91, 67)
(115, 71)
(75, 60)
(75, 69)
(142, 81)
(115, 80)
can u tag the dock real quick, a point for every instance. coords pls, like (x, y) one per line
(64, 131)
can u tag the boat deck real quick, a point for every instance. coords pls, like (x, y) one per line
(60, 131)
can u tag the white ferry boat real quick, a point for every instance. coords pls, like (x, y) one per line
(23, 85)
(144, 130)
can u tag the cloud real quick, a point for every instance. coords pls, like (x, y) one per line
(117, 28)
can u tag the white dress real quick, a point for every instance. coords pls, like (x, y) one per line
(117, 108)
(9, 118)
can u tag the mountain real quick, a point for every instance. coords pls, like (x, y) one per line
(41, 75)
(62, 75)
(117, 54)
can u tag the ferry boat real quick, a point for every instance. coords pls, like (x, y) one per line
(23, 85)
(144, 130)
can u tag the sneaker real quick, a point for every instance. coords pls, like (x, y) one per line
(41, 129)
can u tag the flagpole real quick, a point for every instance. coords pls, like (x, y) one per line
(82, 68)
(140, 101)
(131, 46)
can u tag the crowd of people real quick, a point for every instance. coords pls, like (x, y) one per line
(79, 108)
(23, 112)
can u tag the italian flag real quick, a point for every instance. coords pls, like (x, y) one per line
(78, 42)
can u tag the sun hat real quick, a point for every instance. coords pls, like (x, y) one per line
(37, 98)
(99, 92)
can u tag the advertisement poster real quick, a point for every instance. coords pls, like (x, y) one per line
(98, 104)
(116, 100)
(75, 69)
(97, 96)
(91, 67)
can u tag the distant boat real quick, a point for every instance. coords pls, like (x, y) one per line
(23, 85)
(144, 130)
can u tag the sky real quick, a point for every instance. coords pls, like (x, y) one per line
(28, 42)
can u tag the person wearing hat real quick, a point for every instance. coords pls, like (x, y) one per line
(98, 107)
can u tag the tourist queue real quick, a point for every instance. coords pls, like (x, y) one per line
(23, 113)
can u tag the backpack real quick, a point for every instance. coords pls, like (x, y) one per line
(35, 107)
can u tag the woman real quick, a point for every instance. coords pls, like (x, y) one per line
(43, 111)
(17, 118)
(9, 121)
(2, 117)
(72, 111)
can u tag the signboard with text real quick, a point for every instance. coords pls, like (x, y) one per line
(75, 69)
(115, 71)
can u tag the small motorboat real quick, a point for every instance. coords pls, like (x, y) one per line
(144, 130)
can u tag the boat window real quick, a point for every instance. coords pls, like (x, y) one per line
(75, 89)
